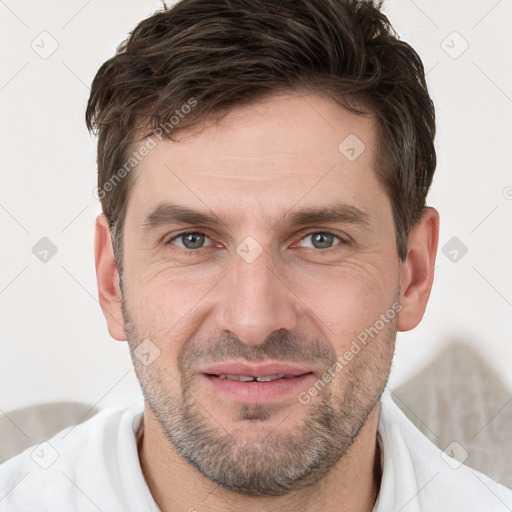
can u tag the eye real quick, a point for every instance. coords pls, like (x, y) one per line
(190, 240)
(194, 240)
(322, 240)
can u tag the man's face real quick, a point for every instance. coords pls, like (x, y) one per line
(263, 288)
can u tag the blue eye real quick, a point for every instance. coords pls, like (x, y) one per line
(191, 240)
(322, 239)
(194, 240)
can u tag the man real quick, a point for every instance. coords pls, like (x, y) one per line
(263, 171)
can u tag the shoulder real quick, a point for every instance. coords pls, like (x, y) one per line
(52, 469)
(425, 478)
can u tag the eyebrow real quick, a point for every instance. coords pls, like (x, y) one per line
(173, 213)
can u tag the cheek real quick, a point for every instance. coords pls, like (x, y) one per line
(343, 301)
(166, 295)
(163, 307)
(157, 331)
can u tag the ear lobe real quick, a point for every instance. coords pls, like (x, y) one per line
(107, 278)
(417, 272)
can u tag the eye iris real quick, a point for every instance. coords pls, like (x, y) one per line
(322, 240)
(199, 239)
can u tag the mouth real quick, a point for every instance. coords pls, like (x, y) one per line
(248, 378)
(245, 388)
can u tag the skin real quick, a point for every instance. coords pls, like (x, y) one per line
(294, 303)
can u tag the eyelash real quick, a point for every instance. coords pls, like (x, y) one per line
(342, 241)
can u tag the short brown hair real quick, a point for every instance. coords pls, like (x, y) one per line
(227, 53)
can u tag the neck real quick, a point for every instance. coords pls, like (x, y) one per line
(176, 486)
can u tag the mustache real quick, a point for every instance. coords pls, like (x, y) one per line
(280, 345)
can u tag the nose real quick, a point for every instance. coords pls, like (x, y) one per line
(256, 301)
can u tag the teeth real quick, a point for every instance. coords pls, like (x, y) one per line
(270, 377)
(245, 378)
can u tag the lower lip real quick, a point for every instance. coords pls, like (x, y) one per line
(254, 391)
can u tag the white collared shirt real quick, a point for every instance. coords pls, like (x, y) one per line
(95, 467)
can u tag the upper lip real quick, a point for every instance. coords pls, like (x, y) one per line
(249, 370)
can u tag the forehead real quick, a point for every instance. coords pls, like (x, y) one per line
(263, 157)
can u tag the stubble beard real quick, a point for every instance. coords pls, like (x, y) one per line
(273, 461)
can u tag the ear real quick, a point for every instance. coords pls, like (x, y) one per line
(417, 271)
(107, 278)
